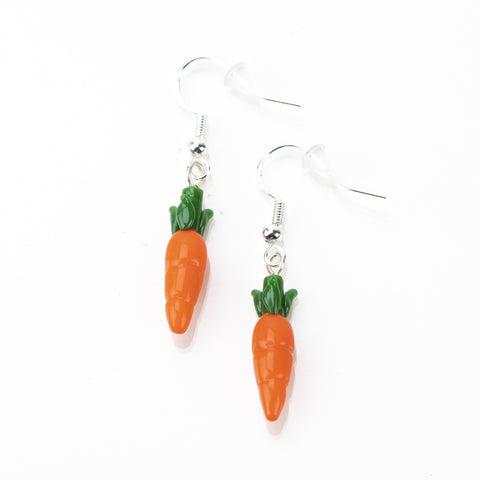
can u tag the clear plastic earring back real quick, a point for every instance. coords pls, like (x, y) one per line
(237, 79)
(316, 160)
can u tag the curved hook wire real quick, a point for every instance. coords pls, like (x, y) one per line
(274, 255)
(241, 83)
(235, 77)
(180, 74)
(261, 182)
(261, 165)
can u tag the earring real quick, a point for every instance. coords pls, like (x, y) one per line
(186, 254)
(273, 341)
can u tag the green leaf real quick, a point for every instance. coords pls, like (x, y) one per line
(257, 302)
(206, 215)
(273, 294)
(173, 219)
(189, 215)
(186, 214)
(287, 301)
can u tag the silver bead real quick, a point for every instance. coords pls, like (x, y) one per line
(271, 233)
(197, 147)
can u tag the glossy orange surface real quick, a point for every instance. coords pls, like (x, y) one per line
(272, 347)
(185, 262)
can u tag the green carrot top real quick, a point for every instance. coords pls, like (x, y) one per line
(273, 299)
(189, 214)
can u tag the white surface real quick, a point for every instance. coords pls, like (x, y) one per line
(387, 321)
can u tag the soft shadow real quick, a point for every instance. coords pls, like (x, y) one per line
(184, 341)
(276, 428)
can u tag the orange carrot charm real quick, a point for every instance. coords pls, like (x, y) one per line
(273, 344)
(185, 258)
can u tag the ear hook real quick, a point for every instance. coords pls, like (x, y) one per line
(180, 73)
(314, 160)
(236, 78)
(197, 146)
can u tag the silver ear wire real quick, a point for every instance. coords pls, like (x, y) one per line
(235, 78)
(308, 154)
(199, 167)
(315, 160)
(274, 254)
(180, 74)
(201, 117)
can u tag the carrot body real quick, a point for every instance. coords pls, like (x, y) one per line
(272, 346)
(185, 262)
(186, 258)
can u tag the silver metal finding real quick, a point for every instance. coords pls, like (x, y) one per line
(197, 171)
(330, 172)
(272, 233)
(235, 77)
(274, 255)
(278, 212)
(199, 167)
(200, 128)
(181, 72)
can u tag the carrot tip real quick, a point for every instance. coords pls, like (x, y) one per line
(272, 395)
(179, 315)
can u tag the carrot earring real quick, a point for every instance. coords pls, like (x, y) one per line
(273, 341)
(186, 255)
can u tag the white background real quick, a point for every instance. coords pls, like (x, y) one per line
(387, 324)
